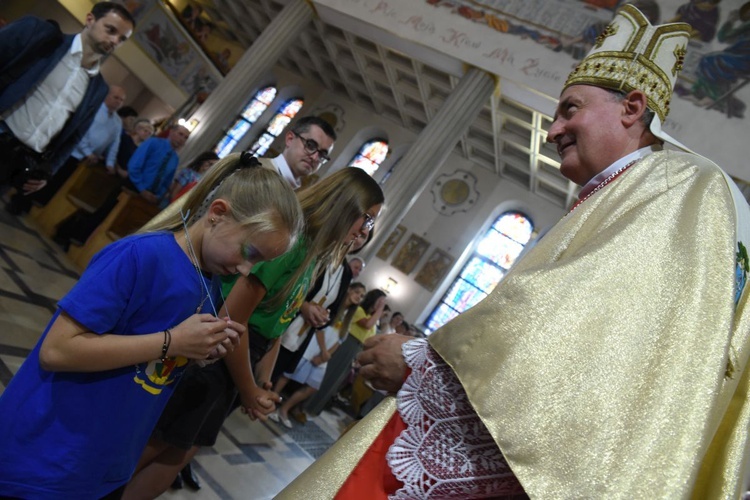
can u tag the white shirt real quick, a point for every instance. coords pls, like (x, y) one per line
(282, 167)
(42, 115)
(102, 138)
(329, 289)
(599, 178)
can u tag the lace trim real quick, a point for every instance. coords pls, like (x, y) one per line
(446, 451)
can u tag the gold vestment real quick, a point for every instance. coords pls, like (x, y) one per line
(611, 360)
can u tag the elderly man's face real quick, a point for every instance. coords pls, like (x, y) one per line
(178, 136)
(588, 132)
(115, 99)
(356, 267)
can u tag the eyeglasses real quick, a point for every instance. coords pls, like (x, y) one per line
(369, 222)
(312, 147)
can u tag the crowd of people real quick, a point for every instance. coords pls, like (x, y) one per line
(610, 361)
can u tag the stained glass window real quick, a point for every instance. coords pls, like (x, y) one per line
(496, 251)
(370, 155)
(276, 126)
(262, 99)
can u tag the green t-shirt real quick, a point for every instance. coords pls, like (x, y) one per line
(274, 274)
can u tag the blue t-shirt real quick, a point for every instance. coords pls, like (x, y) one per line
(80, 435)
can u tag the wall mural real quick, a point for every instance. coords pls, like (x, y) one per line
(391, 243)
(718, 63)
(434, 270)
(410, 254)
(159, 36)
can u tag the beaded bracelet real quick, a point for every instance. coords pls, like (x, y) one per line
(167, 343)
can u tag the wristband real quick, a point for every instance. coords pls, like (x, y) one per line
(166, 344)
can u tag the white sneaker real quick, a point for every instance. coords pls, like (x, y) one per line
(276, 417)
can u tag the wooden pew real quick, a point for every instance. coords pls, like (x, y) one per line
(59, 207)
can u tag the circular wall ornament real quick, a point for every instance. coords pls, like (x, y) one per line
(456, 192)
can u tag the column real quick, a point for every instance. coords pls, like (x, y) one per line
(229, 97)
(417, 168)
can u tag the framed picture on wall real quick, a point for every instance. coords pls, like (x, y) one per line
(391, 243)
(434, 270)
(410, 254)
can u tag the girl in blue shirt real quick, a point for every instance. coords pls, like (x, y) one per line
(77, 415)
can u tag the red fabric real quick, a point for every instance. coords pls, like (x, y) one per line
(372, 478)
(372, 474)
(187, 187)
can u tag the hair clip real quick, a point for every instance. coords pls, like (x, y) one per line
(248, 159)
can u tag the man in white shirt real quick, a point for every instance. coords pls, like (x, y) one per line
(307, 147)
(99, 144)
(51, 89)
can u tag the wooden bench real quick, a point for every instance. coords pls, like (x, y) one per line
(59, 206)
(93, 188)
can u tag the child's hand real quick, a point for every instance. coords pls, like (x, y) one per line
(259, 402)
(198, 336)
(234, 331)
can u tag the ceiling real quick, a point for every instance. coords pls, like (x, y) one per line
(506, 138)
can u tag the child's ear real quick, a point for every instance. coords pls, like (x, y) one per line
(218, 208)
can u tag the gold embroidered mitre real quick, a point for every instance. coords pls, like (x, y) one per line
(631, 54)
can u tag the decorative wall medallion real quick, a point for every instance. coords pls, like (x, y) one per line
(456, 192)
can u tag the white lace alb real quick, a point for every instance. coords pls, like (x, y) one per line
(445, 451)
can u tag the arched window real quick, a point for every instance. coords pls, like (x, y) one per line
(263, 98)
(493, 256)
(276, 126)
(370, 155)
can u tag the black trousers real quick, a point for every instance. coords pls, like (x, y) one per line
(14, 157)
(22, 203)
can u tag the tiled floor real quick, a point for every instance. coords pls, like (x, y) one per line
(251, 460)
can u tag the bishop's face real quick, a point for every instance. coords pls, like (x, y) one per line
(588, 132)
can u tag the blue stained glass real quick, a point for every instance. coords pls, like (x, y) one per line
(462, 295)
(365, 164)
(482, 274)
(439, 317)
(479, 277)
(262, 144)
(239, 129)
(225, 147)
(516, 226)
(370, 156)
(499, 249)
(249, 115)
(277, 125)
(254, 110)
(291, 108)
(267, 95)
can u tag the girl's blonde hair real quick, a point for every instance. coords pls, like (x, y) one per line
(330, 206)
(259, 198)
